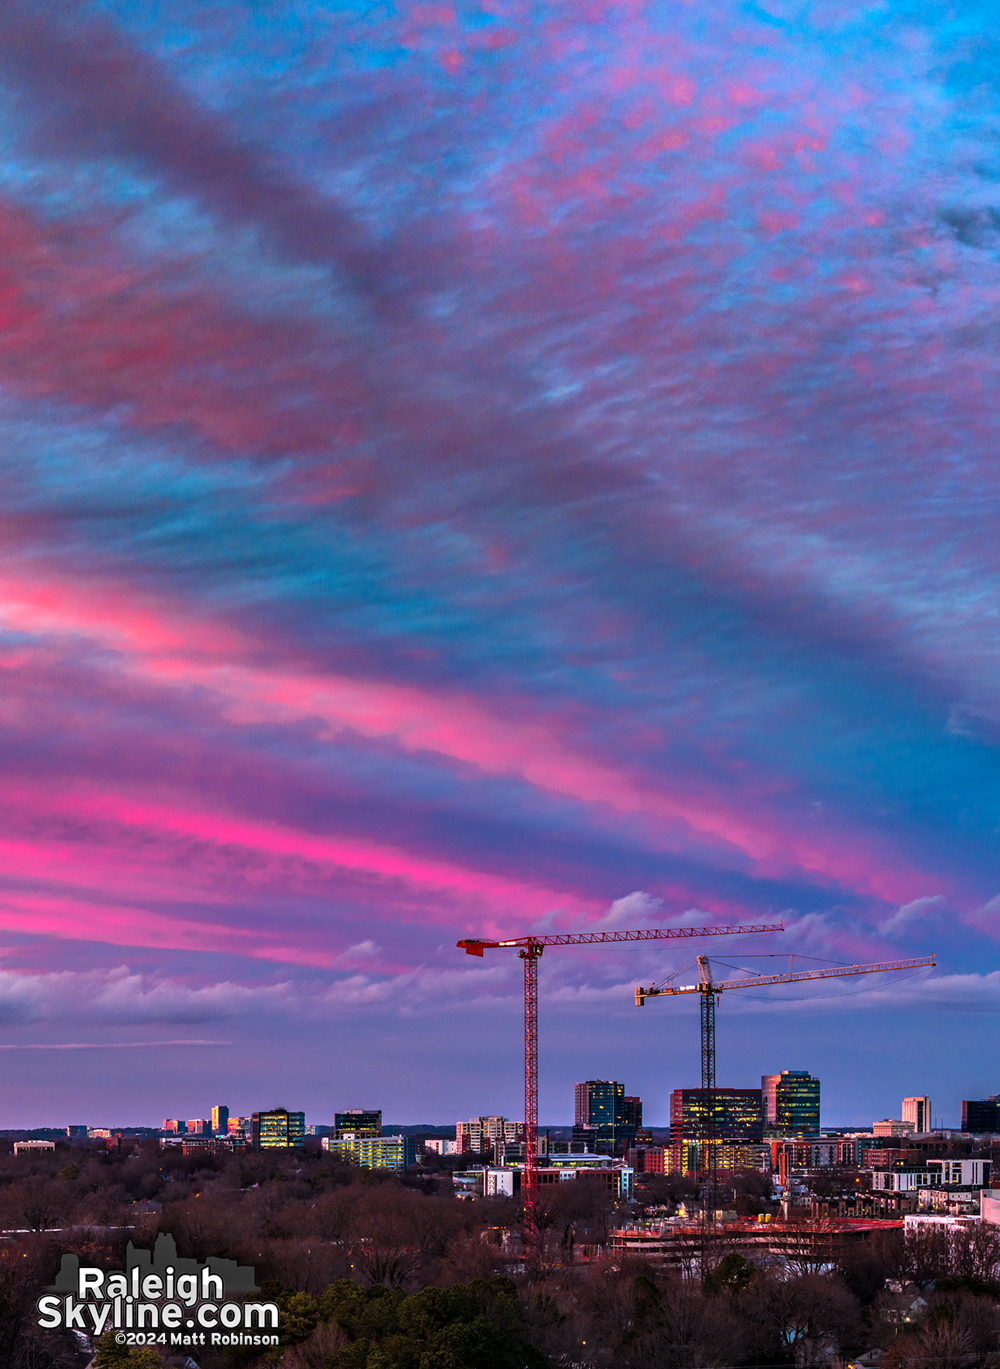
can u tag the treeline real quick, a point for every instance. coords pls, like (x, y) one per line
(374, 1272)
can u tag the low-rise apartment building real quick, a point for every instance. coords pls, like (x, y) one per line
(373, 1152)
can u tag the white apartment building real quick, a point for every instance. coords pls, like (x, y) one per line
(932, 1174)
(480, 1134)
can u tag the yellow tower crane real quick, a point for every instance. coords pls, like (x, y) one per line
(709, 991)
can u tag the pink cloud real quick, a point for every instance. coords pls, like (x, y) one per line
(167, 648)
(71, 918)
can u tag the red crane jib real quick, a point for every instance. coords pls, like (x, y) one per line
(530, 949)
(475, 946)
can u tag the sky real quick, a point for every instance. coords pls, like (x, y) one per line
(479, 469)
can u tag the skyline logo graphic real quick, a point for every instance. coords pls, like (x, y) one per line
(161, 1298)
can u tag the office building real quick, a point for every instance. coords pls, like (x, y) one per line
(917, 1113)
(76, 1133)
(616, 1178)
(890, 1126)
(604, 1119)
(278, 1129)
(979, 1114)
(739, 1115)
(173, 1125)
(599, 1102)
(357, 1122)
(738, 1128)
(220, 1120)
(769, 1099)
(373, 1152)
(649, 1159)
(791, 1102)
(198, 1126)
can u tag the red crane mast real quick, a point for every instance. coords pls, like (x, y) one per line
(530, 948)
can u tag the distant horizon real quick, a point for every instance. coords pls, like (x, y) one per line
(428, 1126)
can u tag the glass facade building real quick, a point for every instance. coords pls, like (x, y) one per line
(632, 1112)
(979, 1114)
(739, 1115)
(357, 1122)
(599, 1102)
(739, 1130)
(791, 1102)
(604, 1118)
(278, 1129)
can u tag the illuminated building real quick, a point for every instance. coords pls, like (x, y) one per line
(278, 1129)
(357, 1122)
(603, 1116)
(738, 1129)
(373, 1152)
(791, 1102)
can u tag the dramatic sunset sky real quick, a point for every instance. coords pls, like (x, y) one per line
(487, 468)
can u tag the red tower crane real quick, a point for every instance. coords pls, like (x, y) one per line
(530, 949)
(710, 990)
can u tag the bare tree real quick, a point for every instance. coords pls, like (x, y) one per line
(677, 1327)
(939, 1346)
(383, 1239)
(922, 1256)
(809, 1313)
(975, 1253)
(36, 1204)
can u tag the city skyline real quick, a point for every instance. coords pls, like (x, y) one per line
(468, 472)
(368, 1121)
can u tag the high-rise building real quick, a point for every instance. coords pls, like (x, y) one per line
(278, 1129)
(632, 1111)
(198, 1126)
(358, 1122)
(739, 1127)
(174, 1125)
(791, 1102)
(739, 1115)
(220, 1119)
(979, 1114)
(917, 1112)
(599, 1102)
(604, 1118)
(769, 1098)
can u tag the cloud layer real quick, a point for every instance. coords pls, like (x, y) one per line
(461, 466)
